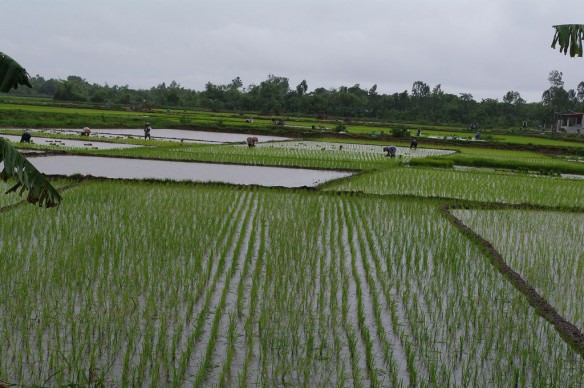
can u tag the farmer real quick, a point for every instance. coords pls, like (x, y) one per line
(413, 144)
(26, 136)
(251, 141)
(147, 129)
(86, 131)
(391, 151)
(419, 132)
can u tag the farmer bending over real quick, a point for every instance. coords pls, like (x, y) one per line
(391, 151)
(251, 141)
(26, 136)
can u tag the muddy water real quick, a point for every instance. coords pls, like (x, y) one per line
(86, 144)
(174, 135)
(120, 168)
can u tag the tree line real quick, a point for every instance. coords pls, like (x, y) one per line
(274, 96)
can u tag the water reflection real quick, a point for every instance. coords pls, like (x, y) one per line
(122, 168)
(171, 134)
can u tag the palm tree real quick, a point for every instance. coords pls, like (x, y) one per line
(16, 166)
(569, 37)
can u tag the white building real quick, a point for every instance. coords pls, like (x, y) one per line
(570, 122)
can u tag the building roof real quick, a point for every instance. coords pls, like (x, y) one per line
(573, 114)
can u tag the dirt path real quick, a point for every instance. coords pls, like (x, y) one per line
(568, 331)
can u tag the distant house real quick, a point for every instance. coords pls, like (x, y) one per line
(570, 122)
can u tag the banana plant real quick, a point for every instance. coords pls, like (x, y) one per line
(569, 38)
(40, 190)
(16, 166)
(11, 74)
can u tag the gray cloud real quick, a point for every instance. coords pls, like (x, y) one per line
(474, 46)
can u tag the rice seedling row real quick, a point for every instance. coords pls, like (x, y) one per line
(549, 258)
(177, 284)
(479, 186)
(292, 154)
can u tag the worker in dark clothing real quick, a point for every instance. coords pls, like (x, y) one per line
(414, 144)
(26, 136)
(147, 129)
(391, 151)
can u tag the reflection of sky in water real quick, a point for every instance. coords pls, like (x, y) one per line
(174, 134)
(121, 168)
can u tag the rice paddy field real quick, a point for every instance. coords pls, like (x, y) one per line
(360, 282)
(481, 186)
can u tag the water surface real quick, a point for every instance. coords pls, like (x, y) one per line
(122, 168)
(173, 135)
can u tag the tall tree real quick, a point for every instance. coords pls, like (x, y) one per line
(302, 88)
(420, 90)
(556, 97)
(436, 100)
(580, 91)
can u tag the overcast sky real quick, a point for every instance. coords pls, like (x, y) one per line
(481, 47)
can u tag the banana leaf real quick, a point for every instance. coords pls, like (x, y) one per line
(28, 178)
(569, 38)
(11, 74)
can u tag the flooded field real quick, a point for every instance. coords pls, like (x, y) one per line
(173, 135)
(87, 144)
(356, 148)
(121, 168)
(139, 284)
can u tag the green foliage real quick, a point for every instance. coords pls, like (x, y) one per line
(11, 74)
(274, 96)
(400, 132)
(569, 38)
(28, 178)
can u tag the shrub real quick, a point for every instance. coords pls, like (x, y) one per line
(400, 132)
(340, 126)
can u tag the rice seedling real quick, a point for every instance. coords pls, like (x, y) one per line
(480, 186)
(196, 284)
(550, 259)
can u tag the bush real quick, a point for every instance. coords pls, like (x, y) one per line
(339, 126)
(400, 132)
